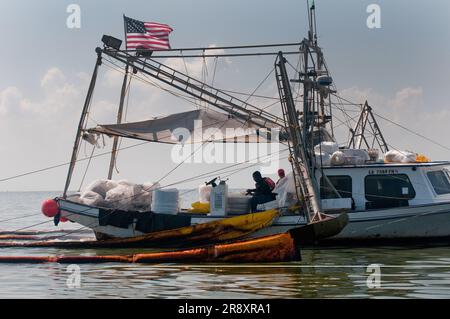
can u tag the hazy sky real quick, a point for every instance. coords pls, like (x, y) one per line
(403, 69)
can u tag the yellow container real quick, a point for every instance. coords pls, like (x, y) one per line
(199, 208)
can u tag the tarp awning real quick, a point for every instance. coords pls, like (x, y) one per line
(191, 127)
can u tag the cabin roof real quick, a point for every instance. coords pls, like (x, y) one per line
(391, 165)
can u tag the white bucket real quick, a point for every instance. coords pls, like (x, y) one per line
(166, 201)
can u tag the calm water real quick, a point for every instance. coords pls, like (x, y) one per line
(413, 272)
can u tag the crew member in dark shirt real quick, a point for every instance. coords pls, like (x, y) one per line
(262, 193)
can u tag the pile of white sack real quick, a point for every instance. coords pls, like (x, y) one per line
(328, 153)
(395, 156)
(121, 195)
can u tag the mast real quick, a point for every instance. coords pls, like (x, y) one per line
(82, 122)
(315, 82)
(366, 122)
(303, 172)
(112, 162)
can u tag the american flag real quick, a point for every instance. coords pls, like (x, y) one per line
(146, 35)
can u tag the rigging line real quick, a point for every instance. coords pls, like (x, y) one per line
(151, 83)
(342, 123)
(216, 60)
(231, 47)
(348, 121)
(192, 154)
(249, 166)
(204, 74)
(278, 101)
(67, 163)
(225, 171)
(128, 90)
(412, 132)
(30, 226)
(247, 94)
(87, 167)
(224, 55)
(403, 127)
(344, 99)
(20, 217)
(127, 93)
(350, 104)
(187, 98)
(294, 68)
(260, 84)
(211, 173)
(187, 73)
(294, 89)
(256, 89)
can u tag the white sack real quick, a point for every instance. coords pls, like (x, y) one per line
(394, 156)
(326, 148)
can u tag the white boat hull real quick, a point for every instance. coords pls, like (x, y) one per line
(414, 222)
(425, 221)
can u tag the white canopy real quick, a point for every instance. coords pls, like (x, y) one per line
(192, 127)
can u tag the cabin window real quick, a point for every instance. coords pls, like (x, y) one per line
(440, 182)
(385, 191)
(342, 184)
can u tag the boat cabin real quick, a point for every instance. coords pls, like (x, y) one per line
(383, 185)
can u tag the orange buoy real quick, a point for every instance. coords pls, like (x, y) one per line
(50, 208)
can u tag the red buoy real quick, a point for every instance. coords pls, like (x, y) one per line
(63, 219)
(50, 208)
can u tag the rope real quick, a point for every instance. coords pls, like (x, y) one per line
(87, 167)
(395, 123)
(66, 163)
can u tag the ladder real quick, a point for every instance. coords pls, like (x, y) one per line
(200, 90)
(302, 172)
(367, 122)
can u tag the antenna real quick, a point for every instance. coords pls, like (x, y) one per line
(312, 33)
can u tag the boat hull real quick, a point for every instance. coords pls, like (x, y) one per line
(414, 222)
(213, 230)
(417, 222)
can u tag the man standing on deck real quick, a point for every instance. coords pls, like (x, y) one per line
(281, 176)
(262, 193)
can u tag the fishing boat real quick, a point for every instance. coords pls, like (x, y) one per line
(385, 194)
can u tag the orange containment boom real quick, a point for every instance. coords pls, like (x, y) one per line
(275, 248)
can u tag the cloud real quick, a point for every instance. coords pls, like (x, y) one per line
(406, 97)
(57, 95)
(404, 100)
(10, 100)
(52, 78)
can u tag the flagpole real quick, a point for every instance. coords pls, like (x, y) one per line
(113, 159)
(125, 31)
